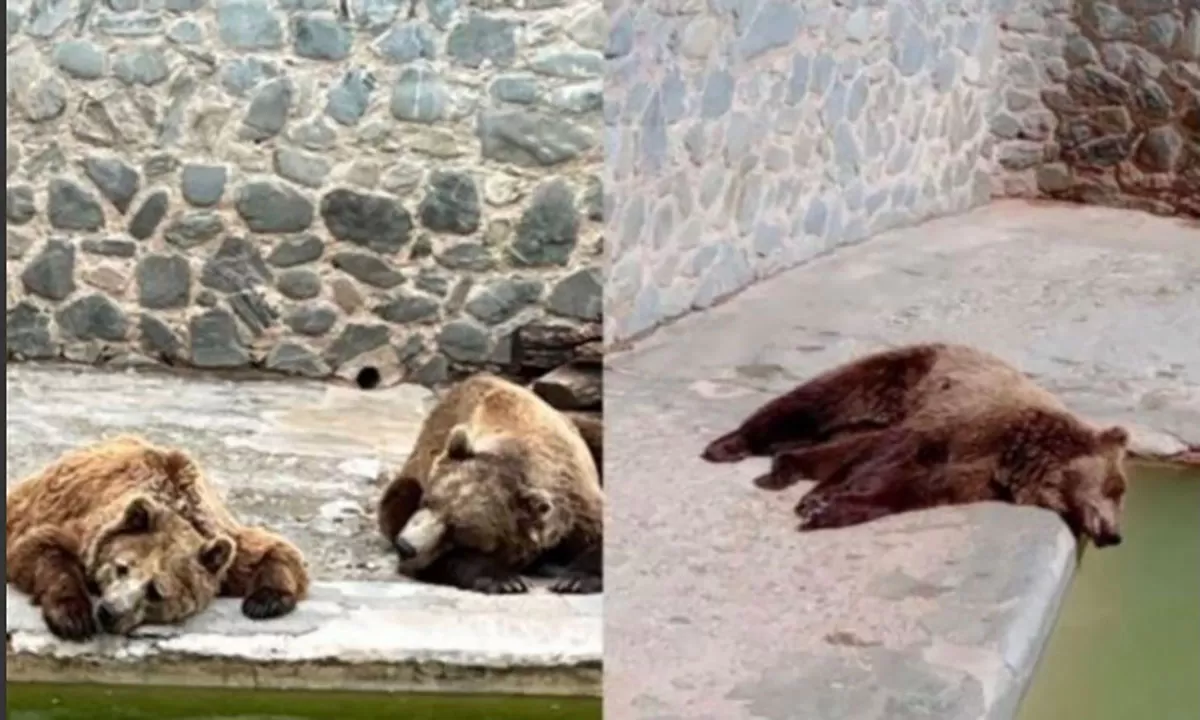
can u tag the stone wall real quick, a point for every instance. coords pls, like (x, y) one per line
(745, 136)
(313, 187)
(1100, 103)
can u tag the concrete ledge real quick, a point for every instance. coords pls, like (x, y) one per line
(367, 636)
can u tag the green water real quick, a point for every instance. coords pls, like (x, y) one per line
(1127, 642)
(97, 702)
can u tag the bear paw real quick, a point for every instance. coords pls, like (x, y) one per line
(578, 584)
(511, 585)
(71, 618)
(266, 603)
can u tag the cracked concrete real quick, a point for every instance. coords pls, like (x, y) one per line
(300, 457)
(718, 609)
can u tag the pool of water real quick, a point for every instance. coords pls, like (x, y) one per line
(1127, 641)
(28, 701)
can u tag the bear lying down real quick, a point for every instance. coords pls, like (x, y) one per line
(928, 425)
(139, 527)
(498, 484)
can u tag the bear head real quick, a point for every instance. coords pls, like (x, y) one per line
(1088, 490)
(479, 495)
(151, 565)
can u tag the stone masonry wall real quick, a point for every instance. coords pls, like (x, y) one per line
(1099, 102)
(745, 136)
(302, 186)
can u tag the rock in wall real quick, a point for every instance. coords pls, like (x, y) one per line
(302, 186)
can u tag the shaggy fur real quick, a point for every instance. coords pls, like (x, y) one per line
(140, 527)
(929, 425)
(513, 480)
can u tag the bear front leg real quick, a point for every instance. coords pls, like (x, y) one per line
(828, 463)
(468, 569)
(584, 575)
(829, 511)
(45, 564)
(399, 503)
(268, 572)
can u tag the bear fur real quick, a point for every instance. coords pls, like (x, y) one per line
(140, 527)
(928, 425)
(498, 484)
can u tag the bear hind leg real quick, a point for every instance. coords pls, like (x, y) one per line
(828, 463)
(468, 569)
(45, 564)
(268, 573)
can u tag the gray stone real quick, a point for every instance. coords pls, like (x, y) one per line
(215, 341)
(158, 340)
(319, 36)
(272, 207)
(18, 204)
(16, 244)
(408, 307)
(296, 251)
(549, 227)
(374, 16)
(179, 6)
(81, 59)
(1054, 177)
(241, 75)
(116, 180)
(407, 42)
(910, 54)
(620, 36)
(774, 26)
(464, 341)
(253, 310)
(570, 64)
(1108, 22)
(1078, 50)
(354, 340)
(502, 299)
(312, 319)
(142, 66)
(268, 111)
(517, 88)
(203, 185)
(193, 229)
(71, 207)
(717, 97)
(51, 273)
(185, 32)
(419, 95)
(469, 255)
(579, 295)
(300, 167)
(164, 282)
(248, 25)
(137, 23)
(578, 98)
(451, 203)
(1093, 85)
(145, 221)
(299, 284)
(109, 247)
(314, 135)
(433, 373)
(45, 100)
(349, 99)
(531, 139)
(93, 317)
(377, 222)
(815, 218)
(27, 332)
(1153, 101)
(1160, 32)
(433, 281)
(1161, 150)
(235, 266)
(294, 359)
(367, 268)
(441, 12)
(483, 38)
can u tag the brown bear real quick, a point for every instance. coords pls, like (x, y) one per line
(140, 527)
(928, 425)
(498, 484)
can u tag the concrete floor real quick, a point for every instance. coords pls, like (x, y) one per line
(717, 608)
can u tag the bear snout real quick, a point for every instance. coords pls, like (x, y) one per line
(1108, 539)
(108, 617)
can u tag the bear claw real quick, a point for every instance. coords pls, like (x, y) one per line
(71, 619)
(578, 584)
(501, 586)
(267, 603)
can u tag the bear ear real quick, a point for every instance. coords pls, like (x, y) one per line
(217, 554)
(1115, 435)
(138, 516)
(458, 445)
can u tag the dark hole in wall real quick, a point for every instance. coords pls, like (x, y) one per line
(368, 378)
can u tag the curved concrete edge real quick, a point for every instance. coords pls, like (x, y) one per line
(362, 636)
(1031, 625)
